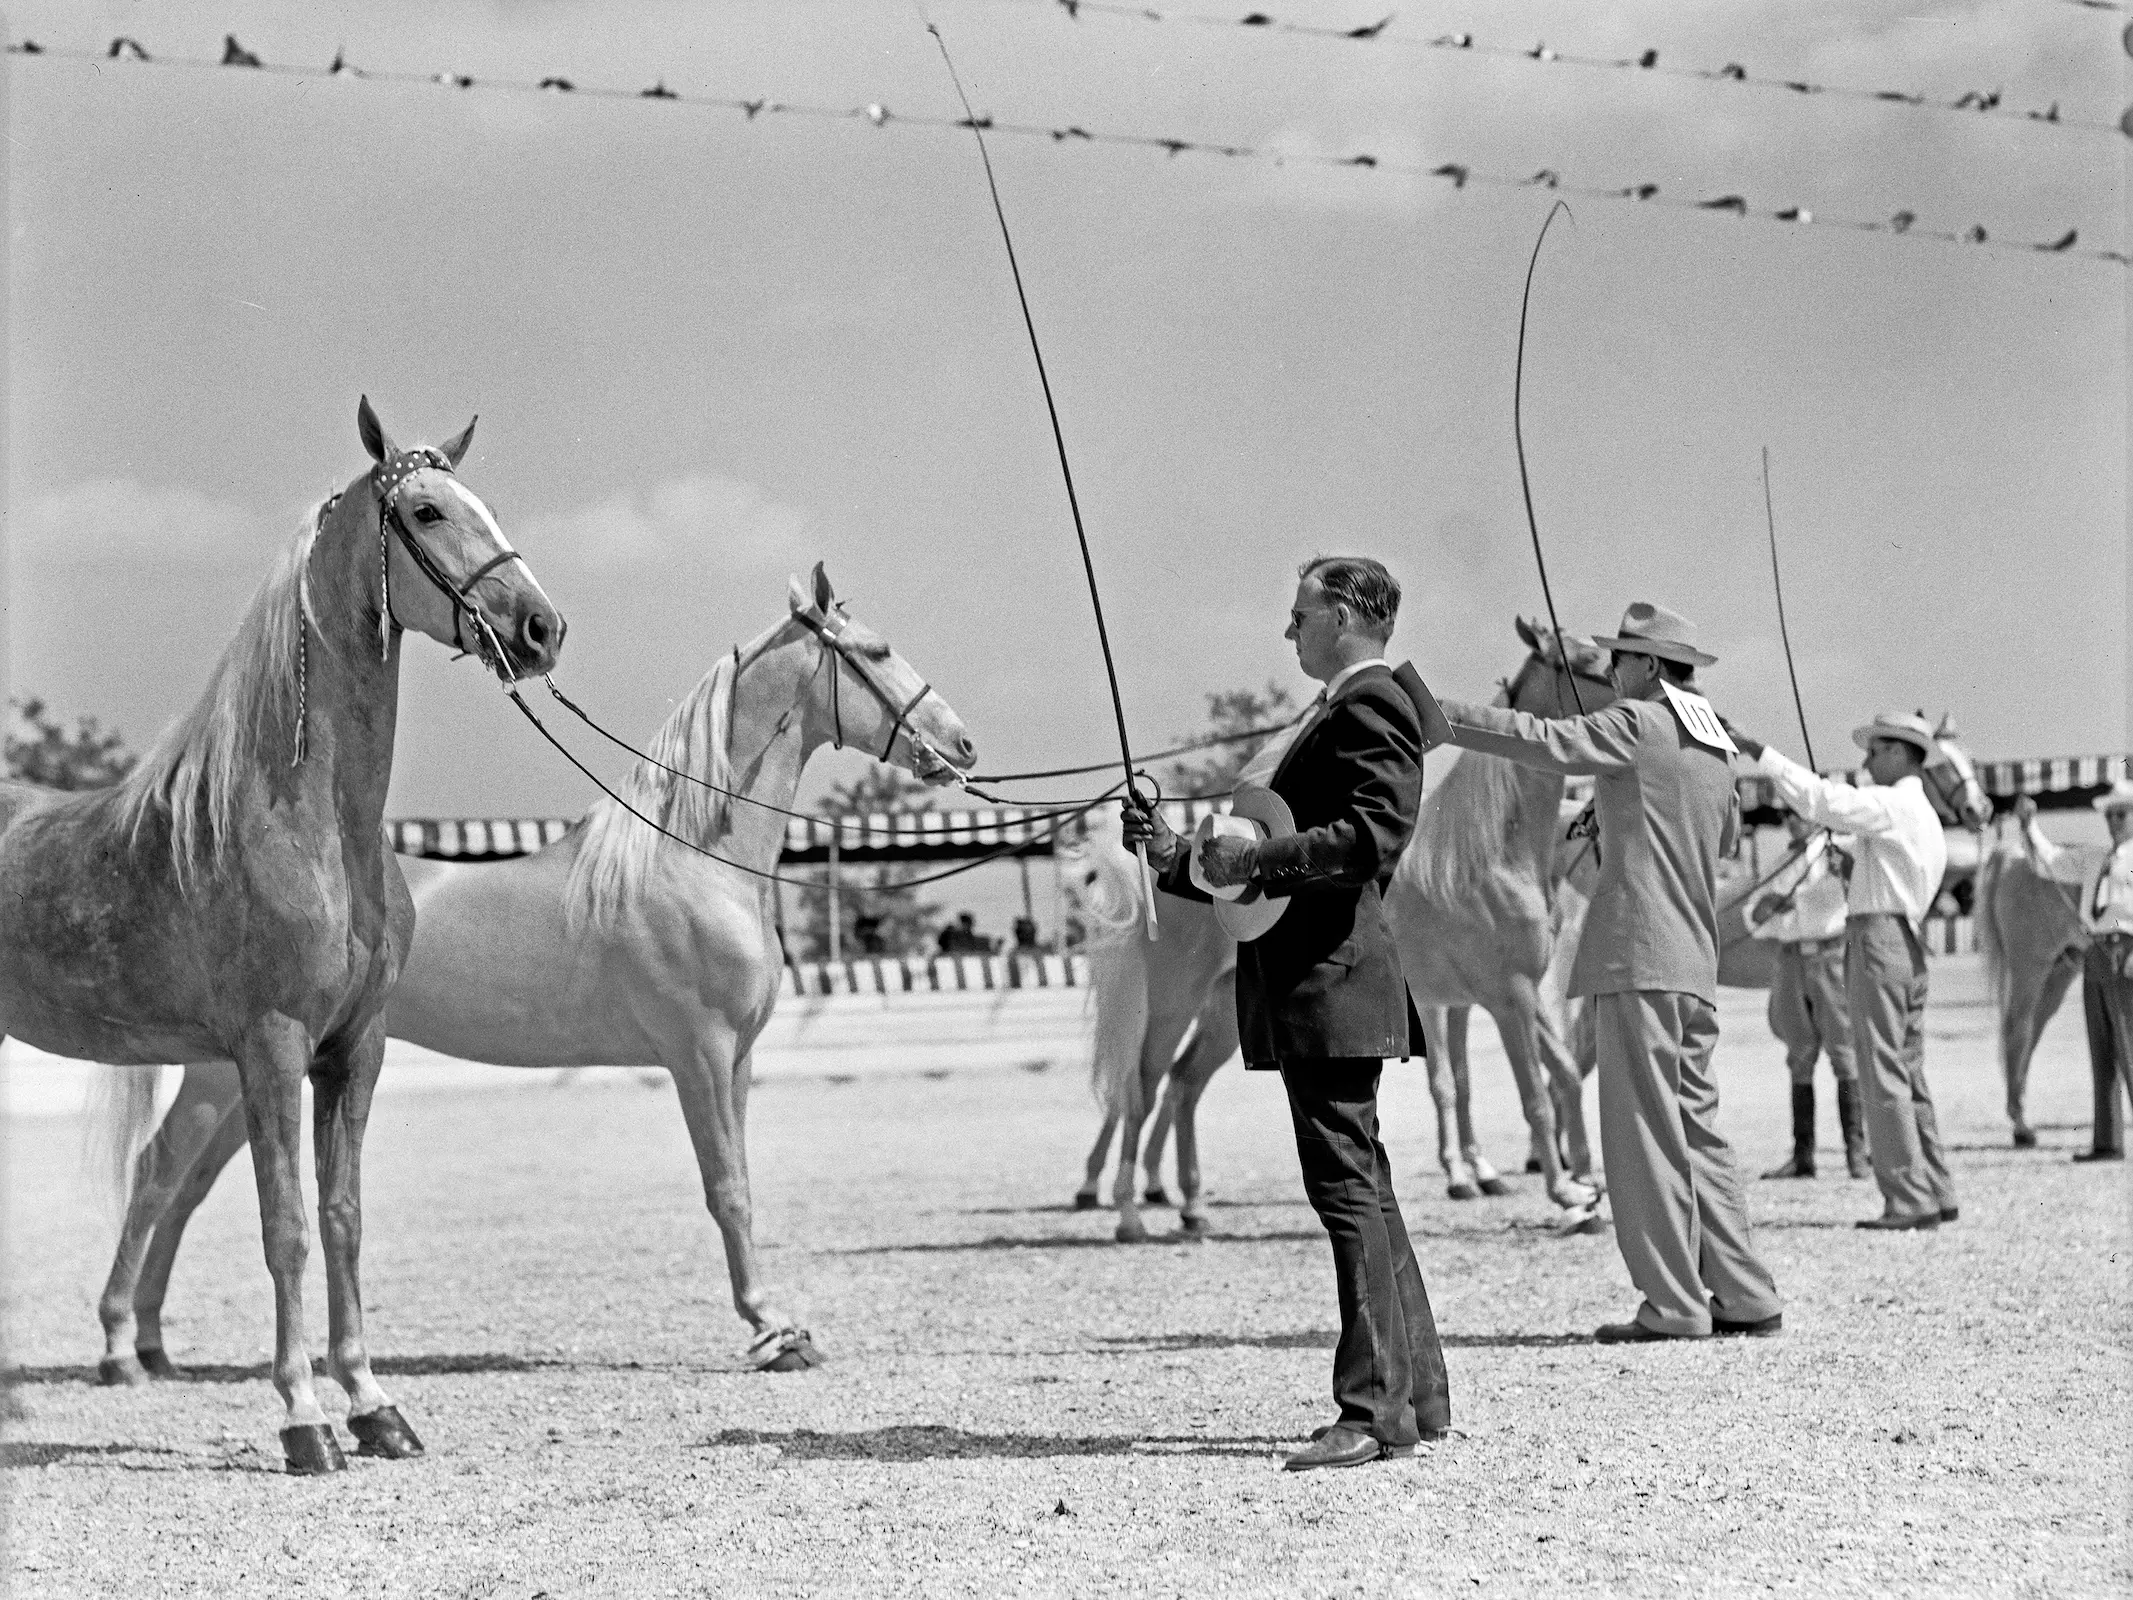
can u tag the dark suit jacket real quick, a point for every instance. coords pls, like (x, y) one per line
(1325, 980)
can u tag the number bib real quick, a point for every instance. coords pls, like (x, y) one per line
(1698, 719)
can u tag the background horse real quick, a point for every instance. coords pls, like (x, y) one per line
(233, 896)
(2029, 928)
(615, 946)
(1168, 1006)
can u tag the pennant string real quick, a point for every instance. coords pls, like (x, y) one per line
(1905, 223)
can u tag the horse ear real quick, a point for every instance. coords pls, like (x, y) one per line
(1525, 632)
(1945, 729)
(455, 449)
(825, 596)
(796, 597)
(372, 432)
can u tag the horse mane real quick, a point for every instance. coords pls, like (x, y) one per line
(194, 774)
(616, 851)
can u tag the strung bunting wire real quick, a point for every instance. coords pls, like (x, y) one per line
(1906, 223)
(1980, 102)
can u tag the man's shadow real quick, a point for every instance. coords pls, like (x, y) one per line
(914, 1442)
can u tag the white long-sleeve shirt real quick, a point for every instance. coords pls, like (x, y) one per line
(1902, 852)
(2105, 873)
(1817, 893)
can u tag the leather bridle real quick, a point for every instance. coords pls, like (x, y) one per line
(828, 627)
(386, 480)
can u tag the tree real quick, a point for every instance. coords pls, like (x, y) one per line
(46, 754)
(1229, 712)
(896, 921)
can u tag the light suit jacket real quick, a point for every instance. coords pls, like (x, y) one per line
(1668, 813)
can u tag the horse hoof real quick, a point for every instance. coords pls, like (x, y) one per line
(1494, 1186)
(155, 1363)
(1462, 1191)
(121, 1372)
(384, 1432)
(311, 1450)
(1533, 1164)
(2025, 1139)
(1084, 1200)
(1157, 1196)
(784, 1350)
(1193, 1226)
(1131, 1233)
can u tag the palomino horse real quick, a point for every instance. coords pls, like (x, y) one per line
(615, 946)
(1167, 1007)
(233, 896)
(2030, 930)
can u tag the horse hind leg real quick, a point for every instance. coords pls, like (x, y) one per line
(2031, 1003)
(1090, 1195)
(199, 1135)
(1188, 1081)
(1519, 1024)
(1154, 1193)
(1445, 1093)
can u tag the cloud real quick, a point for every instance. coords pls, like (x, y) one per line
(697, 518)
(120, 521)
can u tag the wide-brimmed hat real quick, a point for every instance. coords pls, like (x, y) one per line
(1896, 725)
(1649, 630)
(2119, 797)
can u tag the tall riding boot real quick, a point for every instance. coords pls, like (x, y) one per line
(1851, 1116)
(1802, 1164)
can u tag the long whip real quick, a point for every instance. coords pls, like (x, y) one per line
(1088, 565)
(1778, 583)
(1518, 437)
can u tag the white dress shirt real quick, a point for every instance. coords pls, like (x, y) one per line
(2105, 873)
(1901, 852)
(1817, 892)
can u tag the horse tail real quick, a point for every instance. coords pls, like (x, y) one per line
(1985, 909)
(120, 1117)
(1106, 886)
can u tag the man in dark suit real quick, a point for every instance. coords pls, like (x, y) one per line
(1320, 995)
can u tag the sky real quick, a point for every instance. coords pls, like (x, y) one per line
(708, 350)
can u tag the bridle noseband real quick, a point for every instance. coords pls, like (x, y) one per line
(828, 627)
(386, 480)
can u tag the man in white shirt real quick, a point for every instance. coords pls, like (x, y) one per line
(2105, 874)
(1803, 915)
(1896, 872)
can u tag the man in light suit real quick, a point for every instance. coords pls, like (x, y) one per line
(1321, 997)
(1663, 792)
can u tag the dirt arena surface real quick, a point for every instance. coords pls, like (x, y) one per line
(1014, 1405)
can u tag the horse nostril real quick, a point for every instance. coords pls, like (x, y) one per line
(538, 633)
(966, 749)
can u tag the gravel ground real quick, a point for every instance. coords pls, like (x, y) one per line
(1014, 1405)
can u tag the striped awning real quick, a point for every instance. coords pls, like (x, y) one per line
(2056, 783)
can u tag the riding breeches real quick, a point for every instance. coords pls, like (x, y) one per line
(1807, 1010)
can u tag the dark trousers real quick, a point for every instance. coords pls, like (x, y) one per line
(2107, 1008)
(1388, 1369)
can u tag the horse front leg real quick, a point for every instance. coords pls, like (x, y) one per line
(2032, 998)
(1132, 1115)
(342, 1084)
(1159, 1136)
(1090, 1195)
(271, 1062)
(171, 1176)
(1566, 1096)
(1486, 1178)
(1444, 1098)
(712, 1080)
(1519, 1023)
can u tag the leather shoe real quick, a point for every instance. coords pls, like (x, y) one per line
(1887, 1224)
(2099, 1155)
(1340, 1446)
(1633, 1332)
(1393, 1452)
(1758, 1328)
(1950, 1213)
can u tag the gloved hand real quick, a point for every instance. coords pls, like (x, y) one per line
(1143, 824)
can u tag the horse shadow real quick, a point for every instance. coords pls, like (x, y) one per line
(922, 1442)
(1079, 1242)
(430, 1366)
(1323, 1339)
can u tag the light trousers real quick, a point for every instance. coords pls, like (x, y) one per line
(1885, 976)
(1681, 1212)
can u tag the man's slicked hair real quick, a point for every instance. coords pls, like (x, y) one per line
(1359, 583)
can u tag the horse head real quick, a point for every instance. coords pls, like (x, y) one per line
(446, 568)
(1951, 779)
(895, 715)
(1542, 685)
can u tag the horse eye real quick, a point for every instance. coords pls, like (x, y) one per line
(428, 514)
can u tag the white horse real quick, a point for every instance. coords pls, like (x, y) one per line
(2029, 928)
(612, 947)
(1471, 908)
